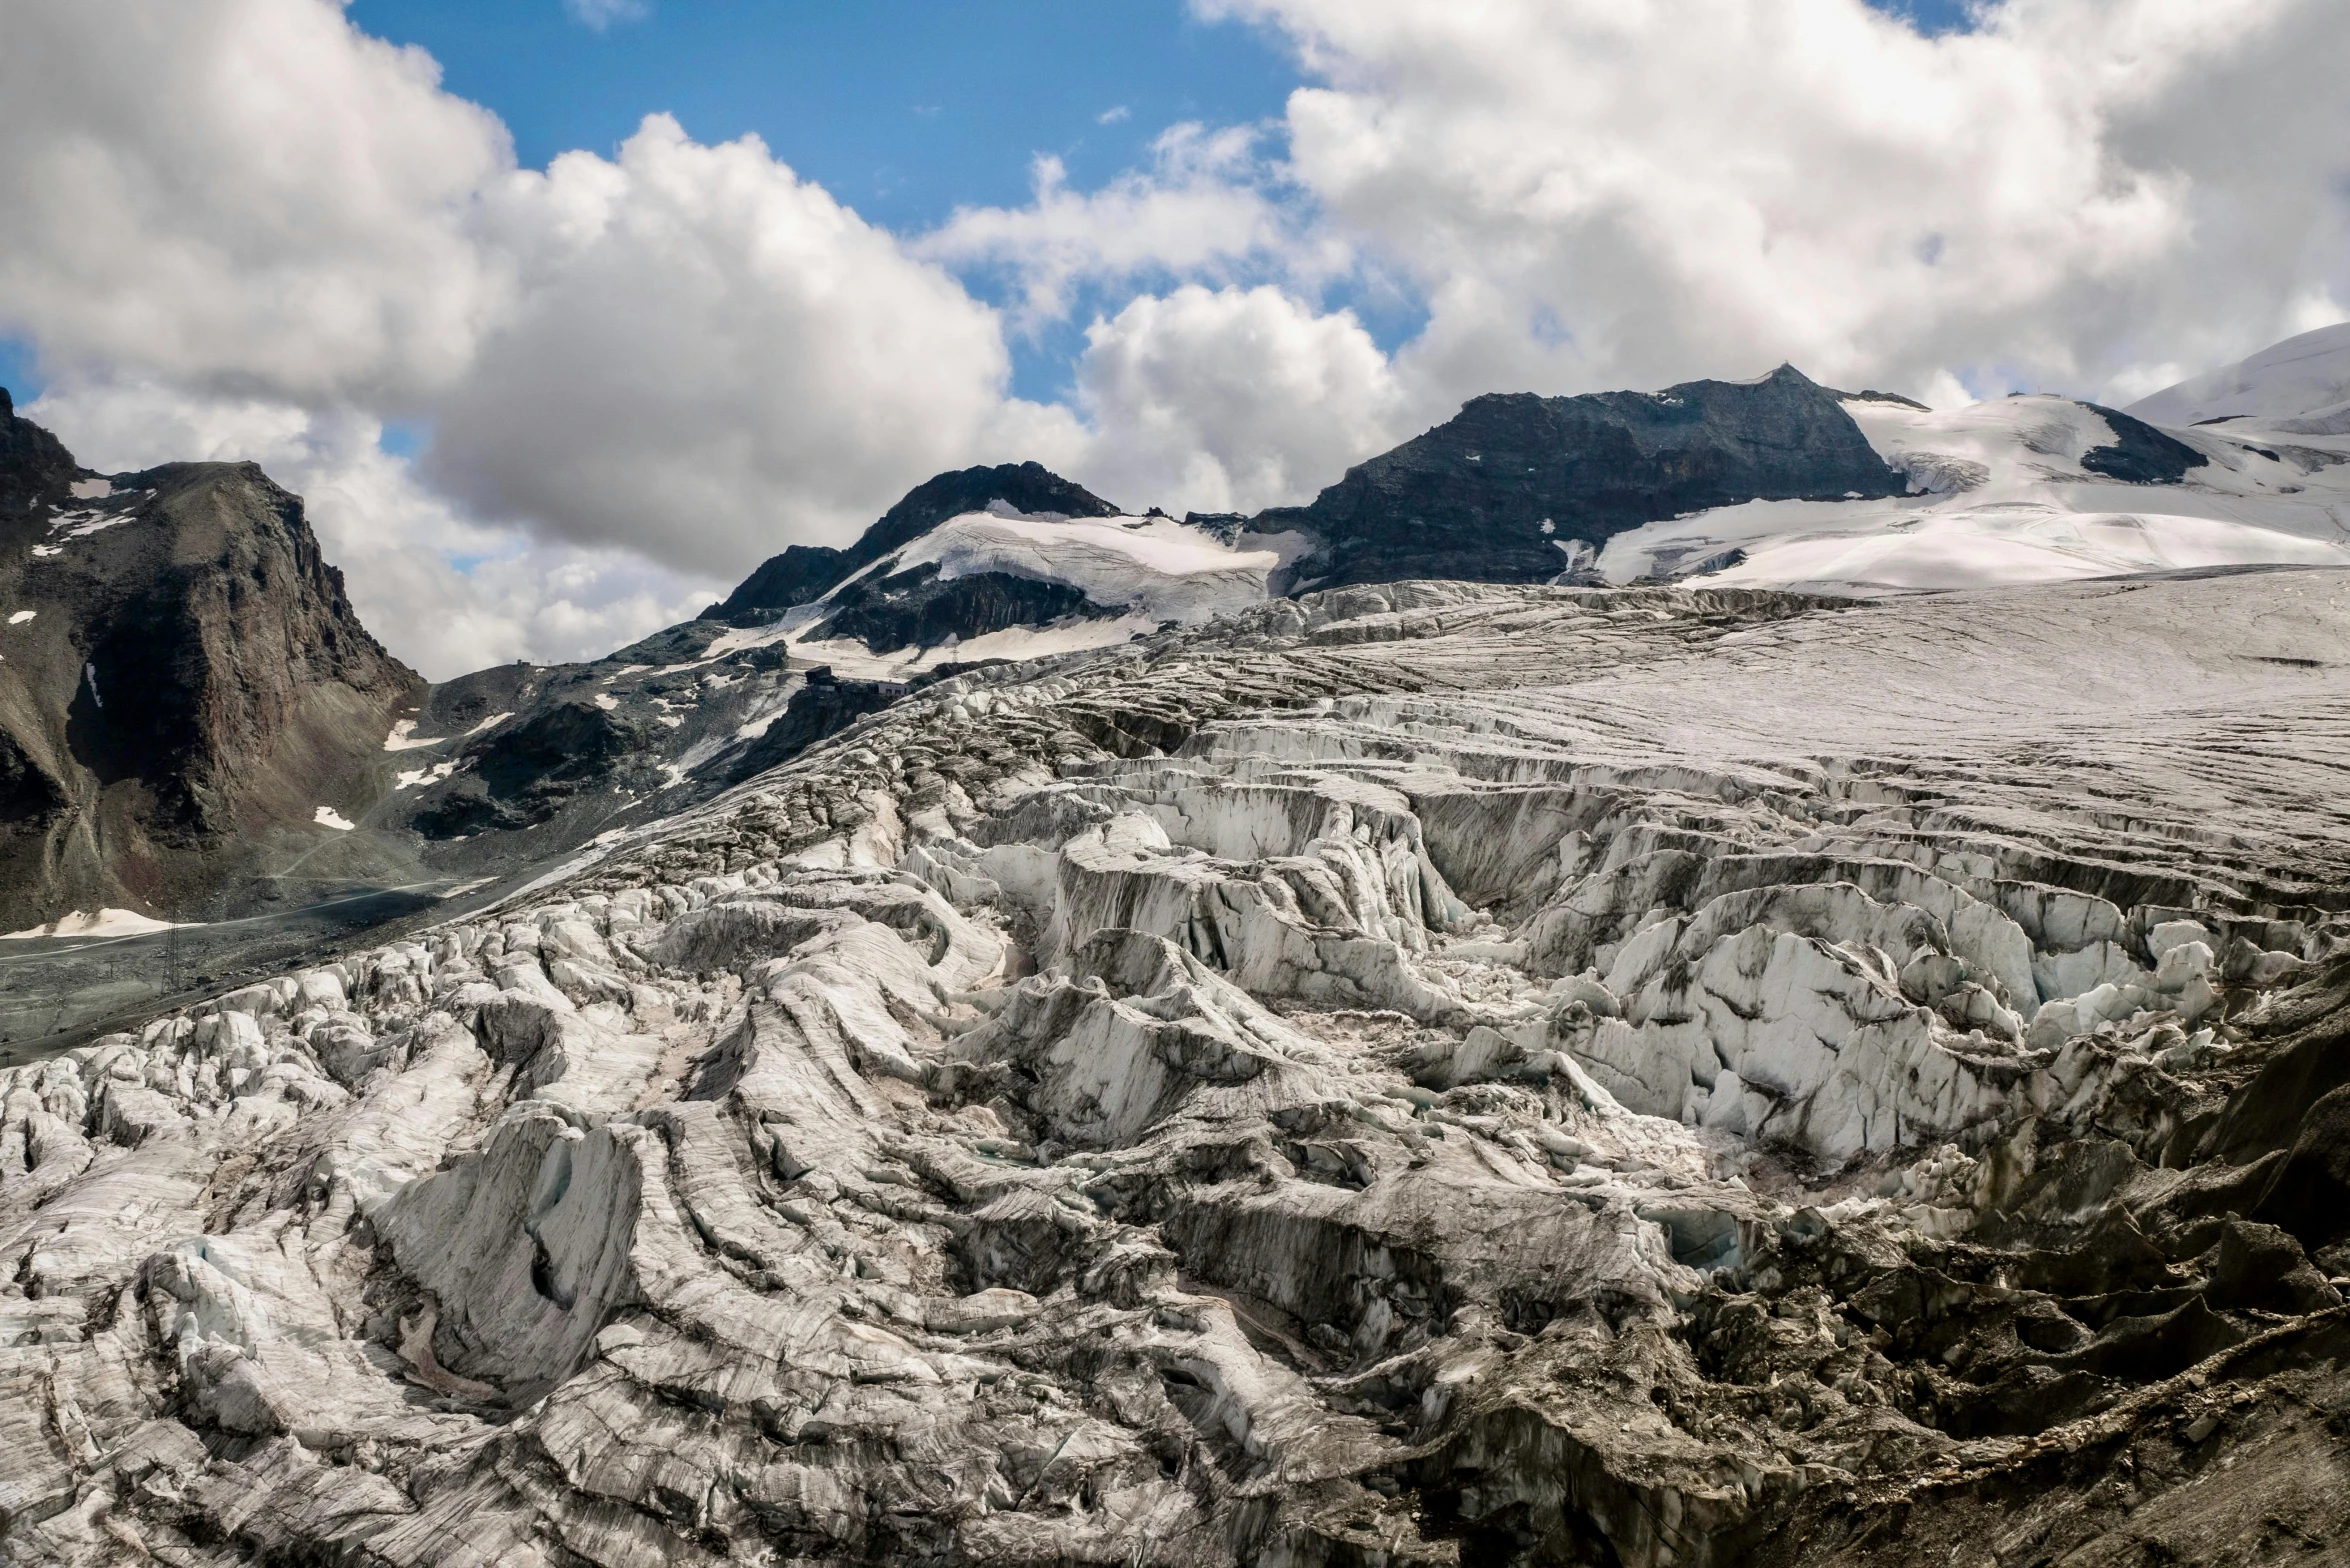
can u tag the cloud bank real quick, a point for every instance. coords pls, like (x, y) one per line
(244, 228)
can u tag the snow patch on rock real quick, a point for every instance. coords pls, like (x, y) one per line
(95, 923)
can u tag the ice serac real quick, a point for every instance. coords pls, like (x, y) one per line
(1499, 492)
(1424, 1073)
(182, 683)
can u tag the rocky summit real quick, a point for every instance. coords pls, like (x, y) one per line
(805, 573)
(1414, 1074)
(1518, 488)
(183, 684)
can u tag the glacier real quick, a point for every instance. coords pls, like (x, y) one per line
(1423, 1073)
(2001, 494)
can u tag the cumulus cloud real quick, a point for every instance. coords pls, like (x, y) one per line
(1201, 208)
(244, 195)
(1232, 400)
(1590, 193)
(706, 350)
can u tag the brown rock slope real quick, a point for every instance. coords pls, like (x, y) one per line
(183, 685)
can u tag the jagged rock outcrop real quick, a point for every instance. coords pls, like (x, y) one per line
(183, 688)
(2139, 454)
(1503, 489)
(917, 608)
(1426, 1074)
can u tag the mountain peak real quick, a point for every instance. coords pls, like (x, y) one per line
(35, 467)
(2300, 386)
(1500, 491)
(186, 685)
(804, 572)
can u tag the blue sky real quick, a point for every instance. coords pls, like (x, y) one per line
(902, 109)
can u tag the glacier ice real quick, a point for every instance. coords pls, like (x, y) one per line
(1422, 1074)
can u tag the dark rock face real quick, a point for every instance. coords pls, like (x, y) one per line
(679, 644)
(1494, 493)
(2140, 454)
(190, 687)
(814, 713)
(798, 575)
(35, 467)
(919, 609)
(520, 774)
(804, 572)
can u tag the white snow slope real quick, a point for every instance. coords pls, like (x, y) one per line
(2291, 388)
(2002, 497)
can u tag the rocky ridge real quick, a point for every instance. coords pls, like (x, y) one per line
(1014, 561)
(1418, 1074)
(1517, 488)
(805, 573)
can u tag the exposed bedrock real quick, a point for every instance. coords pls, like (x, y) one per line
(1423, 1075)
(184, 686)
(1503, 489)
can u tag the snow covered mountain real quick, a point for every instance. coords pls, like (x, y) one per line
(2042, 489)
(998, 584)
(805, 572)
(2298, 387)
(1777, 482)
(1515, 488)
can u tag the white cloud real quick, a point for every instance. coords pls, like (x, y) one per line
(2313, 309)
(1200, 210)
(1591, 193)
(1114, 115)
(241, 194)
(261, 233)
(1232, 400)
(708, 352)
(602, 14)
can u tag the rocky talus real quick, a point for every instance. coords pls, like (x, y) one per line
(1424, 1074)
